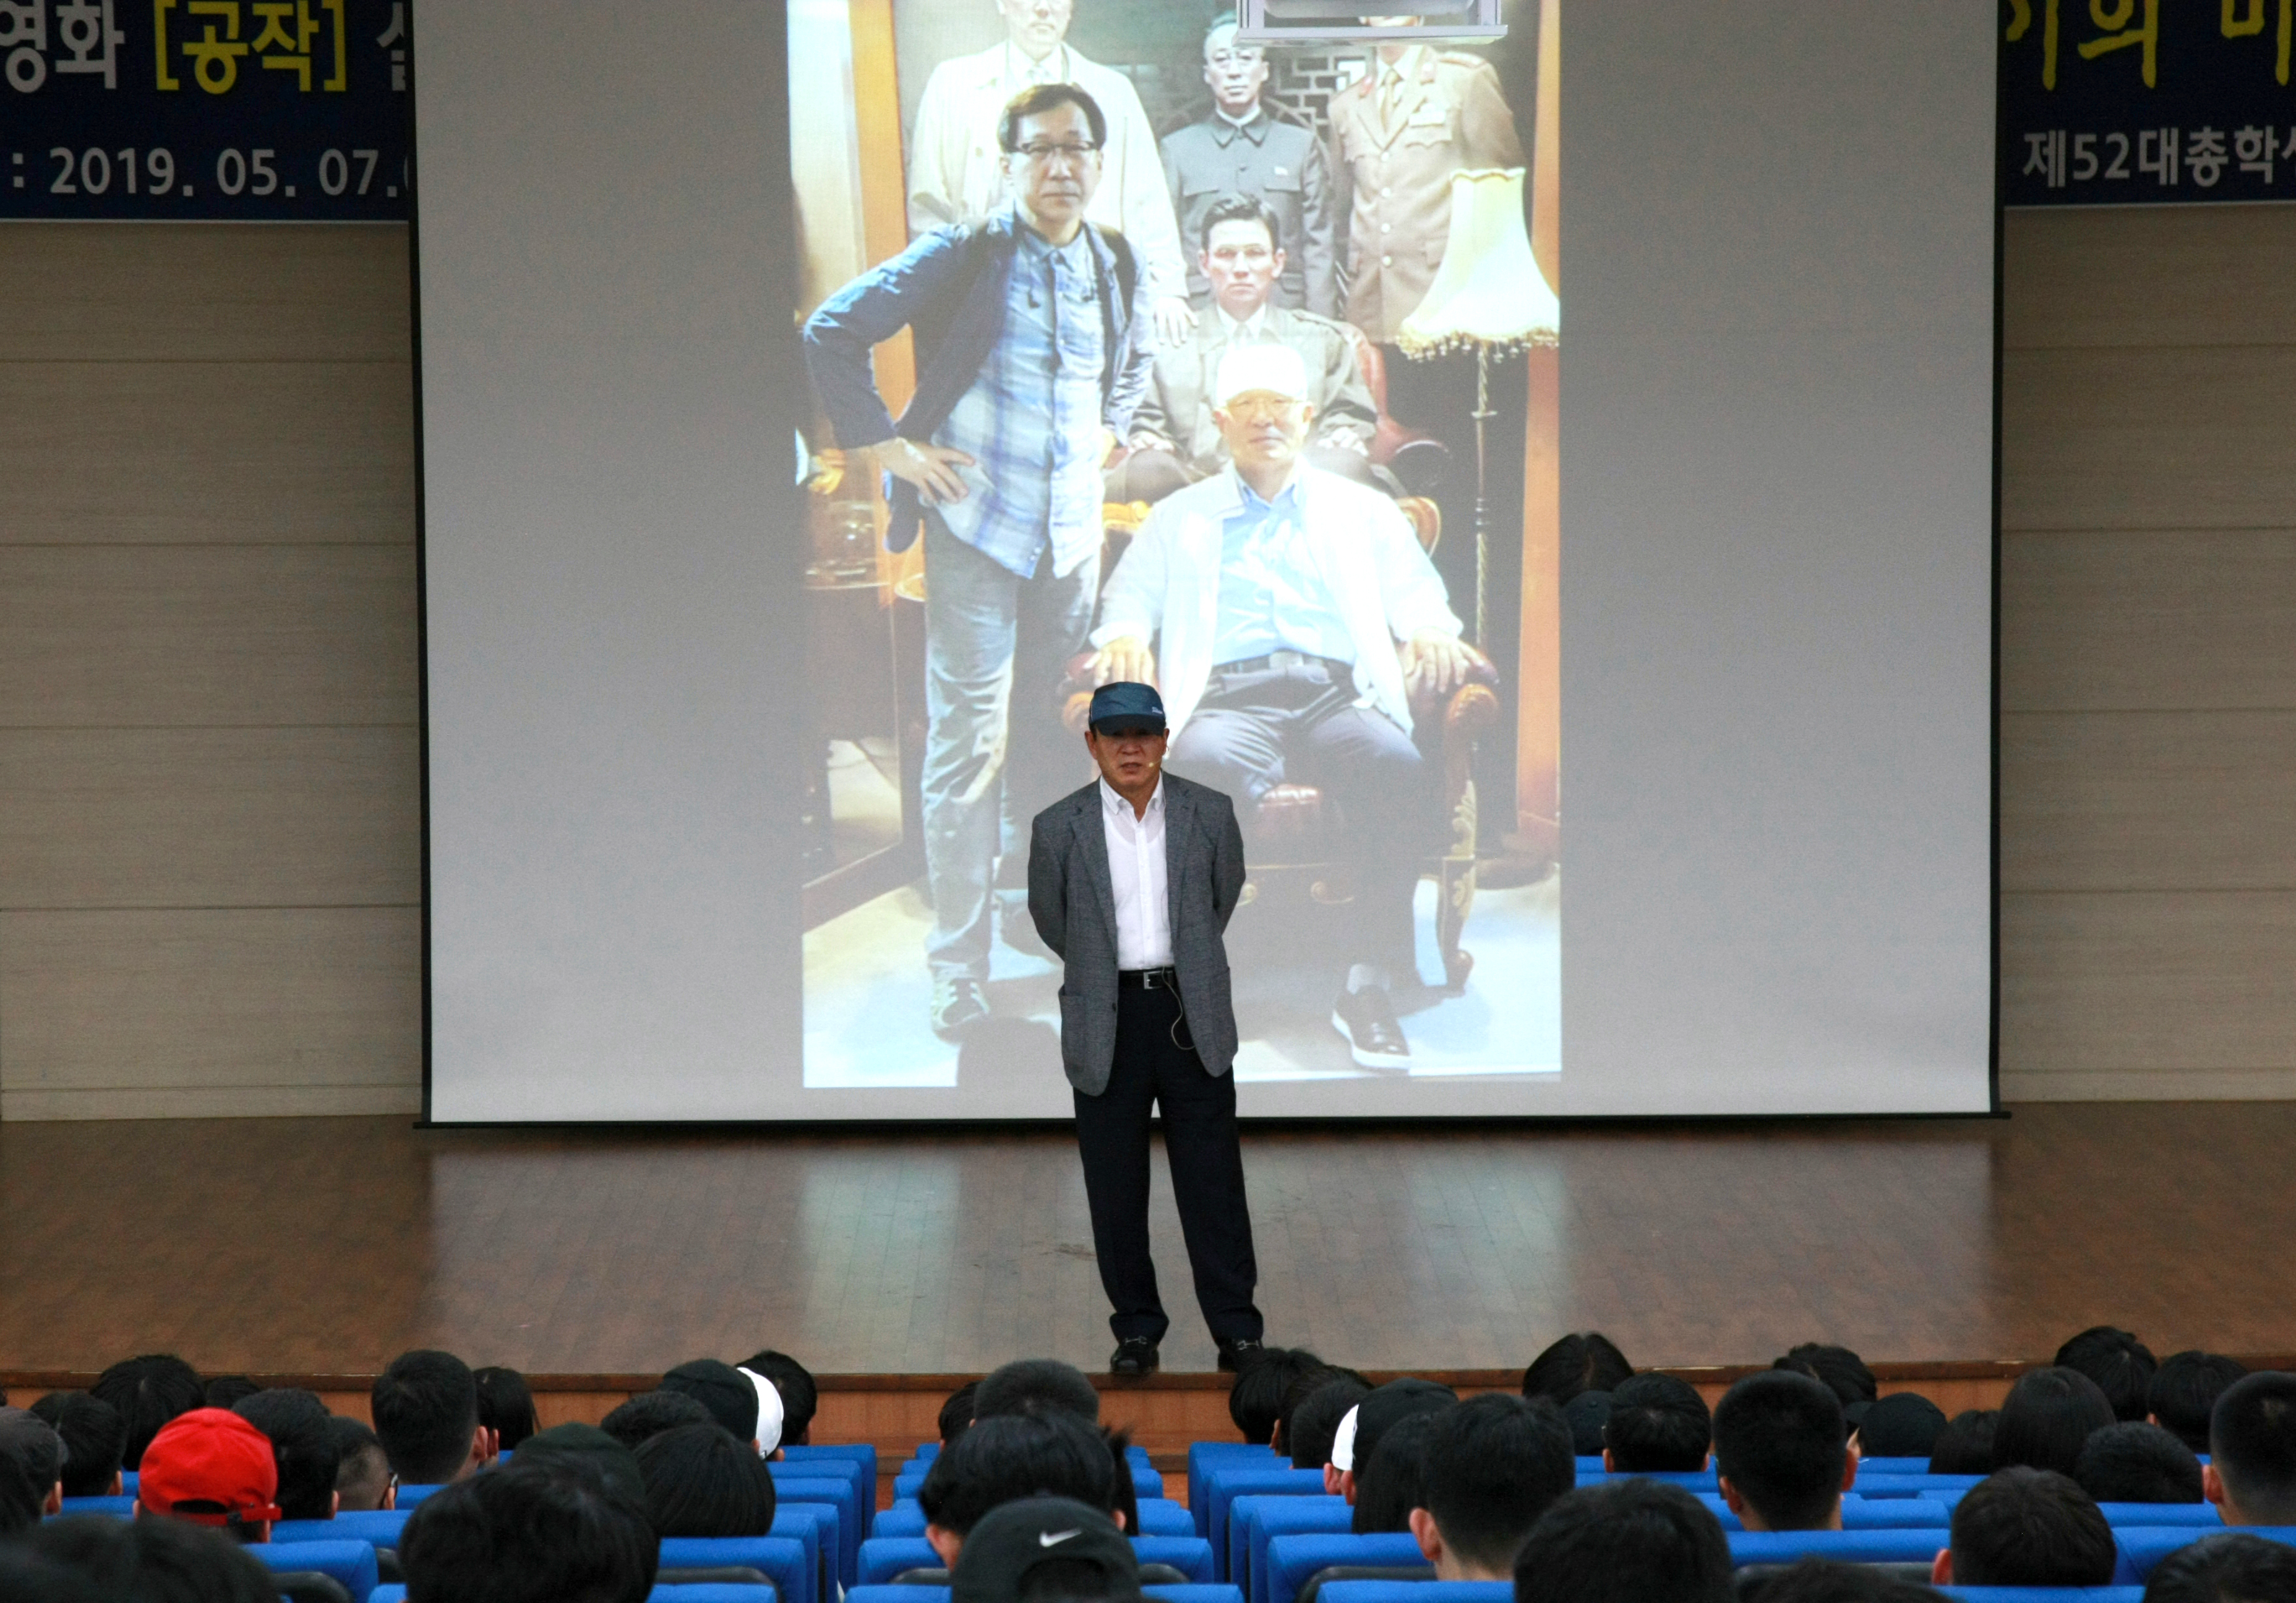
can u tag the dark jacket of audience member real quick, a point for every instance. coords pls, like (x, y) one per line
(1031, 1384)
(1255, 1401)
(1394, 1481)
(1314, 1422)
(154, 1560)
(95, 1436)
(649, 1413)
(1011, 1456)
(1628, 1541)
(302, 1445)
(1781, 1453)
(525, 1534)
(2023, 1527)
(2251, 1475)
(2183, 1394)
(2137, 1464)
(1587, 1361)
(363, 1478)
(426, 1415)
(1491, 1467)
(700, 1482)
(1656, 1423)
(506, 1406)
(1965, 1445)
(800, 1397)
(2231, 1568)
(147, 1393)
(2047, 1419)
(2121, 1366)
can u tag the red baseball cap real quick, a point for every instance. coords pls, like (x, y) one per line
(215, 1461)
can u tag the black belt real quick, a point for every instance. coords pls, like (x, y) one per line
(1275, 661)
(1148, 979)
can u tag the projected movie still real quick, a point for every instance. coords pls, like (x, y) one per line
(1143, 351)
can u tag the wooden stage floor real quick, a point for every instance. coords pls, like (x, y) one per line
(326, 1245)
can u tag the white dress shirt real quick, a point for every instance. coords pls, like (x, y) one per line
(1137, 874)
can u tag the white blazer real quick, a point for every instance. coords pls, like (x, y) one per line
(1165, 588)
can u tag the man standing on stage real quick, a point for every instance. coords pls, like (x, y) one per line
(1033, 348)
(1132, 880)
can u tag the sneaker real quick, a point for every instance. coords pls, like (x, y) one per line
(1366, 1017)
(1134, 1355)
(957, 1005)
(1233, 1355)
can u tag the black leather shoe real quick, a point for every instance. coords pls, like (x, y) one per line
(1134, 1355)
(1235, 1355)
(957, 1005)
(1366, 1017)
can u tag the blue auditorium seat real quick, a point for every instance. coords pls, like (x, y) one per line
(1146, 1482)
(379, 1527)
(839, 1494)
(1166, 1593)
(883, 1558)
(1916, 1545)
(1191, 1555)
(1887, 1514)
(1254, 1521)
(713, 1591)
(2163, 1514)
(116, 1508)
(2047, 1594)
(1222, 1486)
(352, 1562)
(2143, 1547)
(410, 1495)
(815, 1527)
(128, 1481)
(1911, 1485)
(1158, 1517)
(1689, 1480)
(1879, 1466)
(864, 1453)
(1292, 1561)
(1589, 1464)
(1203, 1454)
(1416, 1592)
(781, 1560)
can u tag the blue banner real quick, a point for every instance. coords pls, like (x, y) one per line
(242, 111)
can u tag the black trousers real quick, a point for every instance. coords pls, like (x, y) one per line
(1200, 1141)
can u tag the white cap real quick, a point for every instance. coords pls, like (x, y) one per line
(1343, 1441)
(769, 1414)
(1249, 367)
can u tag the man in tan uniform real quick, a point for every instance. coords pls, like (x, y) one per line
(1399, 134)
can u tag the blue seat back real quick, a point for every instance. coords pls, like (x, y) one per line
(409, 1496)
(1158, 1517)
(883, 1558)
(1168, 1592)
(2157, 1515)
(2047, 1594)
(1292, 1561)
(1916, 1545)
(1891, 1466)
(707, 1591)
(1191, 1555)
(352, 1562)
(2143, 1547)
(379, 1526)
(1418, 1592)
(114, 1508)
(815, 1527)
(1222, 1486)
(1911, 1485)
(839, 1494)
(781, 1560)
(1256, 1520)
(1202, 1455)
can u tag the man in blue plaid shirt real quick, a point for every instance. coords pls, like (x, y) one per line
(1035, 342)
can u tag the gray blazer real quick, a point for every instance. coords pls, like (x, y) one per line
(1073, 903)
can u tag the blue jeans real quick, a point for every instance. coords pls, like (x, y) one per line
(997, 651)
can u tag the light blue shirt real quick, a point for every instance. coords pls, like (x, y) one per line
(1273, 596)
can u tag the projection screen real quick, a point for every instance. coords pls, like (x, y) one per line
(731, 753)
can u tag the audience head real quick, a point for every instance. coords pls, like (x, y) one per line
(2045, 1419)
(2121, 1366)
(1588, 1416)
(1965, 1445)
(303, 1449)
(1255, 1401)
(2128, 1463)
(1033, 1385)
(363, 1479)
(2023, 1527)
(793, 1383)
(1007, 1457)
(426, 1415)
(1311, 1423)
(587, 1451)
(649, 1413)
(730, 1396)
(700, 1482)
(1816, 1580)
(530, 1533)
(1393, 1481)
(956, 1411)
(2231, 1568)
(32, 1446)
(1382, 1410)
(1629, 1541)
(1493, 1465)
(1838, 1369)
(2183, 1394)
(1903, 1424)
(506, 1406)
(2252, 1471)
(1780, 1452)
(152, 1561)
(1656, 1422)
(93, 1437)
(228, 1391)
(147, 1393)
(1584, 1362)
(212, 1468)
(1045, 1549)
(26, 1577)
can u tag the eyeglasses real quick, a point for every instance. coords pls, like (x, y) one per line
(1043, 155)
(1259, 404)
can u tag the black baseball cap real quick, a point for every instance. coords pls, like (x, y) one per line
(1586, 1414)
(1126, 706)
(722, 1389)
(1017, 1537)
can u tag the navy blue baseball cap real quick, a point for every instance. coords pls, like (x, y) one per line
(1126, 707)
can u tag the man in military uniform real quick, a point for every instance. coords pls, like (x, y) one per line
(1242, 149)
(1399, 134)
(1175, 440)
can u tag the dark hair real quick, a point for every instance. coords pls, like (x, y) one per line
(505, 1405)
(1312, 1424)
(1036, 100)
(93, 1435)
(1657, 1422)
(649, 1413)
(956, 1412)
(1587, 1362)
(1965, 1445)
(228, 1391)
(801, 1398)
(33, 1445)
(1032, 1384)
(426, 1409)
(700, 1482)
(2121, 1366)
(21, 1503)
(1494, 1464)
(2023, 1527)
(2234, 1567)
(302, 1446)
(2045, 1417)
(1626, 1541)
(1123, 1496)
(1903, 1424)
(1240, 208)
(1393, 1481)
(154, 1560)
(1841, 1370)
(1008, 1457)
(147, 1393)
(1255, 1403)
(1777, 1436)
(2185, 1390)
(2127, 1463)
(1588, 1416)
(2253, 1444)
(526, 1534)
(1819, 1581)
(730, 1396)
(362, 1469)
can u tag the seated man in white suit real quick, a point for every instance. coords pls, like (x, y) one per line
(1284, 612)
